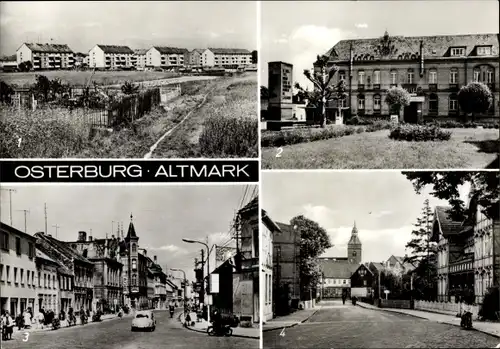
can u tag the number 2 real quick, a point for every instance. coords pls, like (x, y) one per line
(278, 154)
(26, 336)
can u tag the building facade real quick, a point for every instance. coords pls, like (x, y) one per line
(18, 276)
(48, 292)
(166, 57)
(111, 57)
(398, 266)
(268, 230)
(195, 58)
(431, 68)
(362, 280)
(227, 58)
(246, 280)
(46, 56)
(139, 59)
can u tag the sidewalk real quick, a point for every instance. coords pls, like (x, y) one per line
(491, 328)
(202, 325)
(291, 320)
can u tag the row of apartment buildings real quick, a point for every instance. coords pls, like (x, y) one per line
(60, 56)
(41, 272)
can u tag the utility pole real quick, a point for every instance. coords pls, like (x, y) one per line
(25, 224)
(57, 228)
(45, 210)
(10, 203)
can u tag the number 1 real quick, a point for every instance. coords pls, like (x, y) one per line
(278, 154)
(19, 142)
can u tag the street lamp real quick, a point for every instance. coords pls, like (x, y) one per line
(185, 281)
(189, 241)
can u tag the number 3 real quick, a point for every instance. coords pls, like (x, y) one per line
(26, 336)
(278, 154)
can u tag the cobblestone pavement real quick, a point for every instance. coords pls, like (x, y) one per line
(116, 334)
(347, 326)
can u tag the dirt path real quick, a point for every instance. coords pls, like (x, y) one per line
(169, 81)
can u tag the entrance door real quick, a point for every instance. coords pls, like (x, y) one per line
(411, 113)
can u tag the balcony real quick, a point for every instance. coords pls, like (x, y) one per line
(433, 87)
(361, 87)
(376, 87)
(411, 88)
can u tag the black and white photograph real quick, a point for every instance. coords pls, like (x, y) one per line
(128, 79)
(380, 84)
(109, 266)
(385, 259)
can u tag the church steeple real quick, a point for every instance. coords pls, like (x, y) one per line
(354, 247)
(131, 235)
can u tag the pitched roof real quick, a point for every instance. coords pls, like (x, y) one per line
(270, 224)
(354, 240)
(41, 255)
(170, 50)
(131, 231)
(448, 225)
(364, 267)
(199, 50)
(140, 51)
(63, 248)
(337, 269)
(49, 48)
(8, 58)
(252, 205)
(229, 51)
(377, 266)
(116, 49)
(433, 46)
(12, 230)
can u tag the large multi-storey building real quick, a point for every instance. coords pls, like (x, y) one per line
(46, 56)
(139, 59)
(195, 57)
(268, 230)
(111, 57)
(104, 253)
(48, 283)
(431, 68)
(18, 278)
(166, 57)
(465, 252)
(227, 58)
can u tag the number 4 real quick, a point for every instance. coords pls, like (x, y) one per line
(278, 154)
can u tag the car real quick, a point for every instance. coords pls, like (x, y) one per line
(144, 320)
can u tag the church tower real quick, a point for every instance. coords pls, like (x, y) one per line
(131, 241)
(354, 247)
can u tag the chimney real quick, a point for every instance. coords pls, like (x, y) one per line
(91, 238)
(154, 258)
(82, 236)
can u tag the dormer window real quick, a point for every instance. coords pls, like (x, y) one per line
(483, 50)
(457, 51)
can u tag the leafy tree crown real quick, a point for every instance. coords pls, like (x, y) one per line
(475, 97)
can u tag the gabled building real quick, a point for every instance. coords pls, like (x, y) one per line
(160, 285)
(18, 279)
(362, 282)
(104, 253)
(139, 59)
(398, 265)
(269, 230)
(227, 58)
(81, 59)
(111, 57)
(166, 57)
(46, 56)
(48, 291)
(246, 279)
(195, 58)
(431, 68)
(81, 268)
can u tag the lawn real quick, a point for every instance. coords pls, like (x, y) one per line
(81, 77)
(467, 149)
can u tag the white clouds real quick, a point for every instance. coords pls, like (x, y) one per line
(170, 248)
(361, 25)
(320, 214)
(381, 214)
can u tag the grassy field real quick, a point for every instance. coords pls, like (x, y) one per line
(55, 133)
(81, 77)
(467, 149)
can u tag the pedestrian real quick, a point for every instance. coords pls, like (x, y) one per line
(9, 323)
(2, 326)
(41, 319)
(27, 319)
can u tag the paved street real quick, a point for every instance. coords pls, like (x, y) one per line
(116, 334)
(347, 326)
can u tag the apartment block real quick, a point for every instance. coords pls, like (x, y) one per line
(46, 56)
(228, 58)
(166, 57)
(139, 59)
(195, 57)
(111, 57)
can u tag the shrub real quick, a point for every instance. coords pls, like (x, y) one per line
(419, 133)
(475, 97)
(397, 97)
(229, 136)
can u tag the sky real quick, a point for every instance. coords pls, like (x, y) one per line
(297, 31)
(162, 215)
(383, 204)
(139, 24)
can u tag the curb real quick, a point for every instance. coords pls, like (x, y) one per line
(439, 322)
(205, 331)
(292, 325)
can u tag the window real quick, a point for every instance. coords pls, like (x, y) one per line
(341, 103)
(134, 248)
(457, 51)
(377, 102)
(484, 50)
(15, 275)
(453, 102)
(4, 241)
(39, 279)
(354, 253)
(53, 281)
(22, 276)
(18, 246)
(433, 76)
(341, 75)
(134, 280)
(255, 240)
(477, 74)
(134, 264)
(376, 77)
(410, 76)
(453, 76)
(344, 282)
(489, 75)
(361, 77)
(394, 75)
(7, 274)
(364, 282)
(44, 280)
(31, 250)
(433, 103)
(361, 102)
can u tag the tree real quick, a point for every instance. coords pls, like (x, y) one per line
(485, 187)
(42, 88)
(129, 88)
(255, 57)
(6, 92)
(314, 240)
(475, 98)
(397, 97)
(321, 78)
(25, 66)
(421, 245)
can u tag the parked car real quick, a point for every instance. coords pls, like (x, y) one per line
(144, 320)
